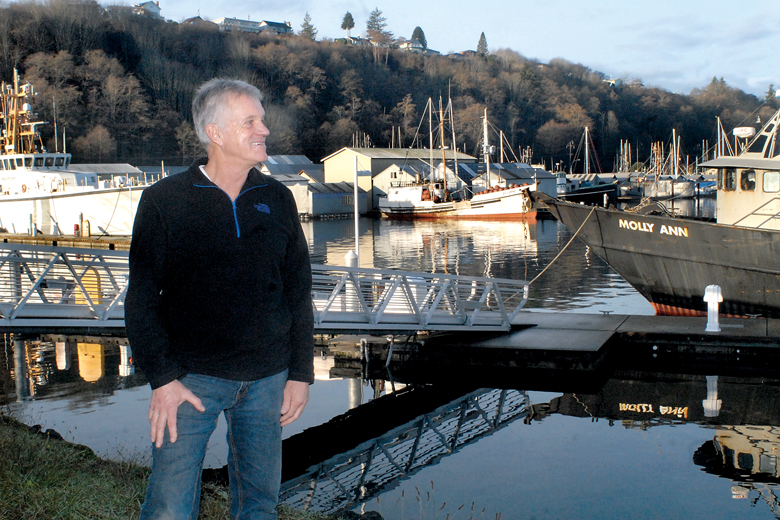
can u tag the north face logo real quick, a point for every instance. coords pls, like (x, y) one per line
(262, 207)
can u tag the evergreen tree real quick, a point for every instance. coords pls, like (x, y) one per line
(348, 23)
(307, 29)
(418, 34)
(376, 28)
(482, 48)
(771, 94)
(376, 22)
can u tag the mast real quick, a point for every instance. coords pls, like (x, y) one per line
(486, 148)
(587, 158)
(443, 152)
(454, 145)
(429, 107)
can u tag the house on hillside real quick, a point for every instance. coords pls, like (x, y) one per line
(276, 27)
(414, 46)
(341, 165)
(236, 25)
(353, 40)
(148, 8)
(200, 23)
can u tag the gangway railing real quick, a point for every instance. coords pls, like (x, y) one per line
(55, 286)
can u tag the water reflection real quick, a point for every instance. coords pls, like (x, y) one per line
(354, 463)
(53, 366)
(376, 464)
(576, 281)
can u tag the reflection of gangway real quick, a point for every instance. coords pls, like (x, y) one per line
(358, 475)
(55, 286)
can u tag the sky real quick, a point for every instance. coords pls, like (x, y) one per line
(677, 45)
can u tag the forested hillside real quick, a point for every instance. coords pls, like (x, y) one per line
(121, 85)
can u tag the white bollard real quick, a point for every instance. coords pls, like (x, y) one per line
(351, 259)
(713, 296)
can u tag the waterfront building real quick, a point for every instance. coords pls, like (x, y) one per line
(340, 165)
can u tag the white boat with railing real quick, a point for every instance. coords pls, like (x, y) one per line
(40, 192)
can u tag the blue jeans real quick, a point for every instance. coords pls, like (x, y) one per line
(254, 436)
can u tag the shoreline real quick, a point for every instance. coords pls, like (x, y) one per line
(43, 476)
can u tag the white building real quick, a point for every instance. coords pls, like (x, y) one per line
(234, 24)
(148, 8)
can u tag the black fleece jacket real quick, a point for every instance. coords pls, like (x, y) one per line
(218, 287)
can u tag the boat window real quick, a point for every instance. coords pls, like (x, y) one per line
(20, 162)
(13, 164)
(50, 161)
(747, 181)
(39, 161)
(727, 179)
(60, 161)
(2, 166)
(28, 161)
(771, 182)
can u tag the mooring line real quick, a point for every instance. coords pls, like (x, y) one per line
(564, 247)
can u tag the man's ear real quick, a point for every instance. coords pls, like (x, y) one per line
(214, 133)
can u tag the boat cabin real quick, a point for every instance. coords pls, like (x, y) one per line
(37, 161)
(748, 185)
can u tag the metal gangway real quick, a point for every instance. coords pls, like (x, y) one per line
(360, 474)
(51, 286)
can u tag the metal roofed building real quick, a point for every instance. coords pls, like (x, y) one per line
(340, 165)
(326, 199)
(285, 164)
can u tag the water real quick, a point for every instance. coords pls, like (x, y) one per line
(647, 434)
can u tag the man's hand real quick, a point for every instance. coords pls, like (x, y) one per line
(165, 403)
(296, 395)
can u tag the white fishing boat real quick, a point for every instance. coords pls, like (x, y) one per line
(432, 199)
(39, 190)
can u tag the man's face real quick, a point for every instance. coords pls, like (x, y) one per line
(243, 131)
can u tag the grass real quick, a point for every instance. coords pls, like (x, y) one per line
(42, 478)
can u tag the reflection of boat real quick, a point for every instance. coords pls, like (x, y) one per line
(41, 192)
(671, 261)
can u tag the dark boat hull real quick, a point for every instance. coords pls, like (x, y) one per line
(593, 194)
(671, 261)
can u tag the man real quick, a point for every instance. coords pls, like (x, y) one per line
(218, 311)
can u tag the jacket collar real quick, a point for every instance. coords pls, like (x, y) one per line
(254, 178)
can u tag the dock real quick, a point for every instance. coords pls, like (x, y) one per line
(76, 285)
(576, 343)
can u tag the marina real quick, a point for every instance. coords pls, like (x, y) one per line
(483, 433)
